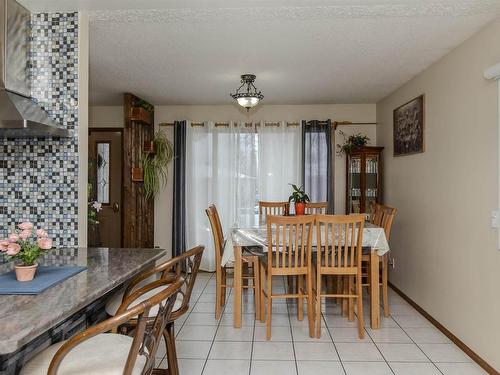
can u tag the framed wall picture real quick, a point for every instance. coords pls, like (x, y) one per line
(409, 127)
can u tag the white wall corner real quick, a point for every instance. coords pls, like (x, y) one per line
(493, 73)
(83, 124)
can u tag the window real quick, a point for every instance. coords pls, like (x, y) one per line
(234, 167)
(103, 172)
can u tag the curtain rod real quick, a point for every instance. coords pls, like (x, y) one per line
(226, 124)
(277, 124)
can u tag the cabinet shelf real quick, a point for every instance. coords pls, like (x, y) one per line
(137, 174)
(363, 188)
(139, 114)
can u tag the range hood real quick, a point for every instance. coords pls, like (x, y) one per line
(20, 115)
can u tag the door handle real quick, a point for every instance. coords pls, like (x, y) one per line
(115, 207)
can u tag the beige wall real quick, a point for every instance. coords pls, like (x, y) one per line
(445, 249)
(106, 117)
(113, 117)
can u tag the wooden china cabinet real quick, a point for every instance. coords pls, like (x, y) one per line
(363, 182)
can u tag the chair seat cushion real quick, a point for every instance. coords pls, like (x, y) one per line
(116, 300)
(104, 354)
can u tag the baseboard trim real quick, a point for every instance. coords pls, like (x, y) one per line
(475, 357)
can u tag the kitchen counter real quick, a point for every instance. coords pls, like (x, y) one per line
(24, 318)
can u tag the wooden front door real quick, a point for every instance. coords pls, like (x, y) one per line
(105, 174)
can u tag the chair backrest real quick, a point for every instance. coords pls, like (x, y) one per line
(339, 242)
(216, 226)
(272, 208)
(376, 216)
(184, 266)
(387, 218)
(316, 208)
(147, 334)
(289, 240)
(383, 217)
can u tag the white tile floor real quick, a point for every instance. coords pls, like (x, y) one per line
(407, 344)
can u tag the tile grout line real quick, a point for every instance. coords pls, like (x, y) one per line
(187, 317)
(334, 344)
(253, 340)
(356, 313)
(383, 356)
(164, 358)
(293, 341)
(418, 346)
(217, 329)
(191, 310)
(290, 325)
(373, 341)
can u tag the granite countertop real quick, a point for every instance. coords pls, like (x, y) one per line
(23, 318)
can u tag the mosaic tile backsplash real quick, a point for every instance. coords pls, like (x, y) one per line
(39, 176)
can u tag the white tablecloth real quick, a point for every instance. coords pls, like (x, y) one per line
(373, 237)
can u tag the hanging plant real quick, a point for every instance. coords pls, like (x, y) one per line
(351, 142)
(155, 165)
(144, 104)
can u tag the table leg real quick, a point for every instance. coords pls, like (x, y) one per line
(237, 287)
(256, 283)
(374, 290)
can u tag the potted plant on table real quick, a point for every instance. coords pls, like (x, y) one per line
(299, 198)
(25, 245)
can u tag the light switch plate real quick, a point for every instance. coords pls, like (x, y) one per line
(495, 219)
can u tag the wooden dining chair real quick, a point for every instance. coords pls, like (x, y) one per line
(376, 215)
(339, 240)
(223, 273)
(289, 241)
(102, 350)
(272, 208)
(312, 208)
(383, 217)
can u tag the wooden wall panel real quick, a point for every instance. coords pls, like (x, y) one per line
(138, 212)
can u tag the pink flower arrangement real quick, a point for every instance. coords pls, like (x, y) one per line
(19, 244)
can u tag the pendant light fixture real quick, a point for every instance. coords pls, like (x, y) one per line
(249, 98)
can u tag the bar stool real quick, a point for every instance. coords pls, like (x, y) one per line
(94, 351)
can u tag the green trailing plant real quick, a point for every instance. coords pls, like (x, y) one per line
(155, 165)
(351, 142)
(298, 195)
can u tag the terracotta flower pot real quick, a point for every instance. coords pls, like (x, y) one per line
(299, 208)
(25, 273)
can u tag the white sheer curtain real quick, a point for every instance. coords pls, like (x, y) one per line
(221, 168)
(280, 158)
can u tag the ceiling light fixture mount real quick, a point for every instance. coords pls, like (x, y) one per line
(249, 98)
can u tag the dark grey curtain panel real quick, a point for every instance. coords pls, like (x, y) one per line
(318, 159)
(179, 199)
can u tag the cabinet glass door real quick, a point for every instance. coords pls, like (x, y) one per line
(354, 184)
(371, 183)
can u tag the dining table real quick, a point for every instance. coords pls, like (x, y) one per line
(253, 239)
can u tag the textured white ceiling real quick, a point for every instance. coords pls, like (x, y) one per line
(302, 51)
